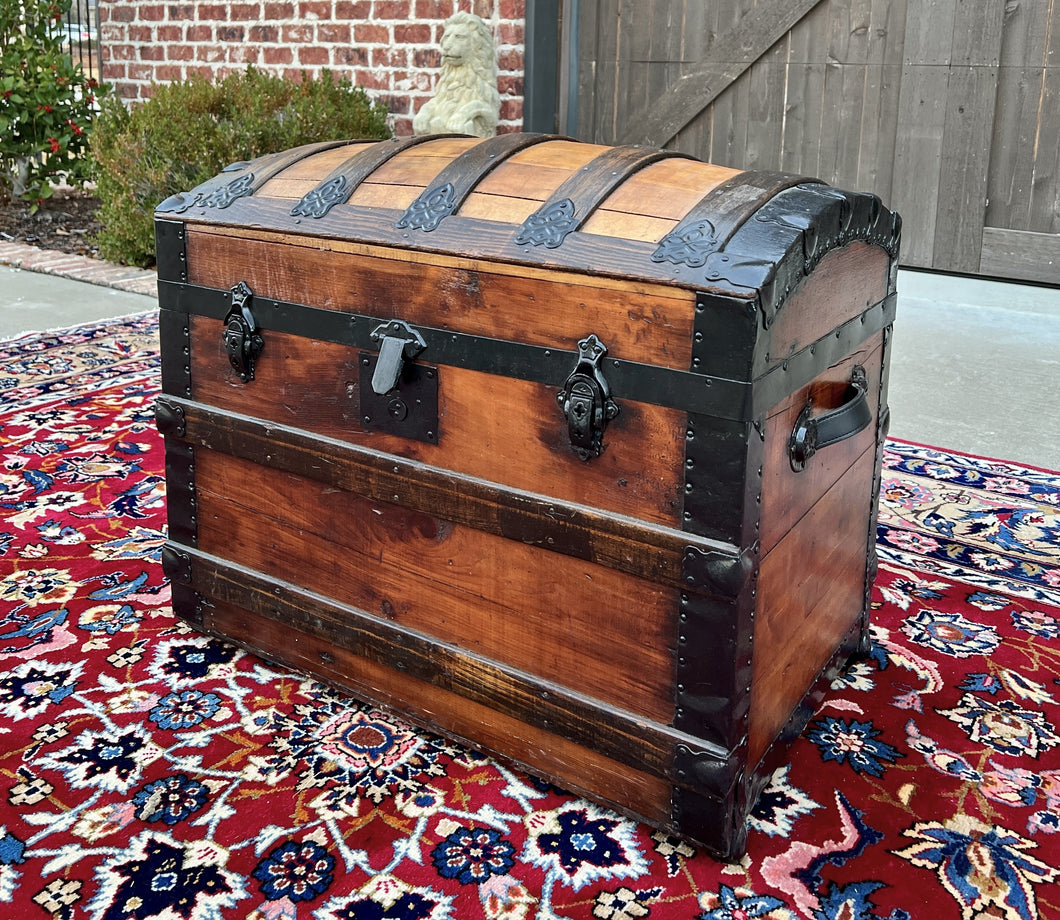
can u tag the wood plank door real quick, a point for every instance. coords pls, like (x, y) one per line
(949, 110)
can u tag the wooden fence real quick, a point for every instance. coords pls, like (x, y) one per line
(948, 109)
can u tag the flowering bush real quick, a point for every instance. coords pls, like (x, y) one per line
(46, 102)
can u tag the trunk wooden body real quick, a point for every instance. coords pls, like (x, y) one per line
(645, 606)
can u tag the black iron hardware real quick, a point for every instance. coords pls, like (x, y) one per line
(398, 342)
(430, 209)
(811, 432)
(549, 225)
(241, 337)
(398, 396)
(586, 400)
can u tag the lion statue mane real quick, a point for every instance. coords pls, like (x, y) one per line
(466, 100)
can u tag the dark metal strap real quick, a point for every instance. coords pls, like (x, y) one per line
(573, 203)
(450, 188)
(241, 179)
(342, 182)
(629, 380)
(718, 215)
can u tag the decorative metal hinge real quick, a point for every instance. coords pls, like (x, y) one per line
(241, 338)
(586, 400)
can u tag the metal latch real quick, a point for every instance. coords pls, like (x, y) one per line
(586, 400)
(241, 338)
(398, 395)
(398, 343)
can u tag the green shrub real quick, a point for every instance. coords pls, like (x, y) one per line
(188, 132)
(46, 102)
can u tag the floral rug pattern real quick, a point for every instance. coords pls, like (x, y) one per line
(148, 772)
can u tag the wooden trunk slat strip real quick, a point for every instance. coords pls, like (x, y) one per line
(648, 551)
(616, 734)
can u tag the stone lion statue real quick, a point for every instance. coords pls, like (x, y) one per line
(466, 100)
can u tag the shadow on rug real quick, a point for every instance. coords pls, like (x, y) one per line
(147, 771)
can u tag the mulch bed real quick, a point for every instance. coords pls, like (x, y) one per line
(66, 222)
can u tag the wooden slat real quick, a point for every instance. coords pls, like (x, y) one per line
(564, 620)
(962, 176)
(918, 152)
(608, 223)
(734, 51)
(1021, 254)
(542, 752)
(965, 160)
(668, 189)
(377, 195)
(1044, 215)
(647, 552)
(805, 100)
(647, 323)
(810, 593)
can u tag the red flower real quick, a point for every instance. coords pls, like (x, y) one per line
(74, 125)
(44, 108)
(55, 144)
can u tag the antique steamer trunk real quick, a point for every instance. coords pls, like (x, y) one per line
(568, 451)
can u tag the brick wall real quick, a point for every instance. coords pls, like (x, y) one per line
(389, 47)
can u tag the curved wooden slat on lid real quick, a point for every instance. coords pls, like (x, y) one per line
(719, 214)
(572, 204)
(242, 179)
(342, 182)
(456, 181)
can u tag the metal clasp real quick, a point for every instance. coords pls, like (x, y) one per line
(586, 400)
(241, 338)
(398, 343)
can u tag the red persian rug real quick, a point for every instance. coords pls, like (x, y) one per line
(151, 773)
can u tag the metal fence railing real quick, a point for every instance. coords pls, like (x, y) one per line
(81, 38)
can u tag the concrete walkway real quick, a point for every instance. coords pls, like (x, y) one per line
(975, 365)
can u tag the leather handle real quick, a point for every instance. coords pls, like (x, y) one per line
(812, 432)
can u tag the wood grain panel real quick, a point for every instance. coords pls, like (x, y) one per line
(564, 620)
(314, 385)
(810, 593)
(478, 726)
(668, 189)
(845, 283)
(787, 495)
(650, 324)
(1021, 254)
(307, 173)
